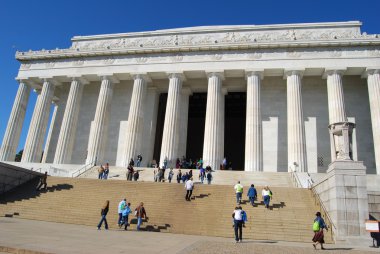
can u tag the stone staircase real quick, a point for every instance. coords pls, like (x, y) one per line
(223, 177)
(78, 201)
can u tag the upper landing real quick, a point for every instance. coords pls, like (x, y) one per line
(205, 38)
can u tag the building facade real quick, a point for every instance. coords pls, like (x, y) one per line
(262, 96)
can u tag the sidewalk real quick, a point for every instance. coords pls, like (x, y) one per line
(48, 237)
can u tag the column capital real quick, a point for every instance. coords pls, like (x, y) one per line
(254, 72)
(187, 90)
(215, 73)
(331, 71)
(178, 75)
(109, 76)
(141, 75)
(295, 71)
(27, 81)
(370, 71)
(51, 80)
(81, 79)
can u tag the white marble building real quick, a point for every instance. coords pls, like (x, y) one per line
(296, 78)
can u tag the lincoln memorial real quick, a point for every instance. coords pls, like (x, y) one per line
(266, 97)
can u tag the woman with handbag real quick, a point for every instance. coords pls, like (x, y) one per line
(318, 226)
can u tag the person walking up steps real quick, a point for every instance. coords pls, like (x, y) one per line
(103, 213)
(267, 195)
(239, 192)
(252, 194)
(237, 215)
(189, 186)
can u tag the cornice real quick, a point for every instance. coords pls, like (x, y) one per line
(197, 39)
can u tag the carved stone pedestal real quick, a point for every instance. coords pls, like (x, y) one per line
(345, 195)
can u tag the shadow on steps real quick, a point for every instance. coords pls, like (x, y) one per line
(151, 228)
(28, 190)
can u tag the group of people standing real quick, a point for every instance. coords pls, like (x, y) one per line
(123, 209)
(103, 171)
(131, 172)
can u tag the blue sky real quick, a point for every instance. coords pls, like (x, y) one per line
(38, 24)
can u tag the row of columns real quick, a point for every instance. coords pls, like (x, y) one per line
(174, 141)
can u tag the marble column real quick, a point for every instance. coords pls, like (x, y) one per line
(373, 79)
(253, 129)
(38, 125)
(135, 119)
(51, 128)
(98, 133)
(335, 95)
(69, 123)
(186, 92)
(15, 122)
(296, 128)
(170, 137)
(214, 126)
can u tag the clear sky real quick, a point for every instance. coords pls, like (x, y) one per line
(50, 24)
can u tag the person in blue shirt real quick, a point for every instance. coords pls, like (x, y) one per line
(127, 210)
(318, 226)
(252, 194)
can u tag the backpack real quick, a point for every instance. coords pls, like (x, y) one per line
(316, 226)
(270, 193)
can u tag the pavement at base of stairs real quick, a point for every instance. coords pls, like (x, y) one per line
(29, 236)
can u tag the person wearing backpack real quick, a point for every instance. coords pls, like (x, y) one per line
(266, 194)
(237, 216)
(318, 226)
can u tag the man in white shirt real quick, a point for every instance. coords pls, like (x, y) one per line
(189, 186)
(237, 215)
(120, 209)
(239, 192)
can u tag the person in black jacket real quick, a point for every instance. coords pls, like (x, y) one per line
(104, 212)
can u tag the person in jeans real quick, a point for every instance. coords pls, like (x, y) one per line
(120, 209)
(237, 215)
(239, 192)
(139, 159)
(189, 186)
(125, 213)
(252, 194)
(103, 213)
(140, 214)
(266, 194)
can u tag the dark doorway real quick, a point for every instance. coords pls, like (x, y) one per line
(196, 125)
(234, 129)
(160, 126)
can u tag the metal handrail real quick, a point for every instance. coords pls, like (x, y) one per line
(297, 183)
(295, 178)
(84, 168)
(323, 208)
